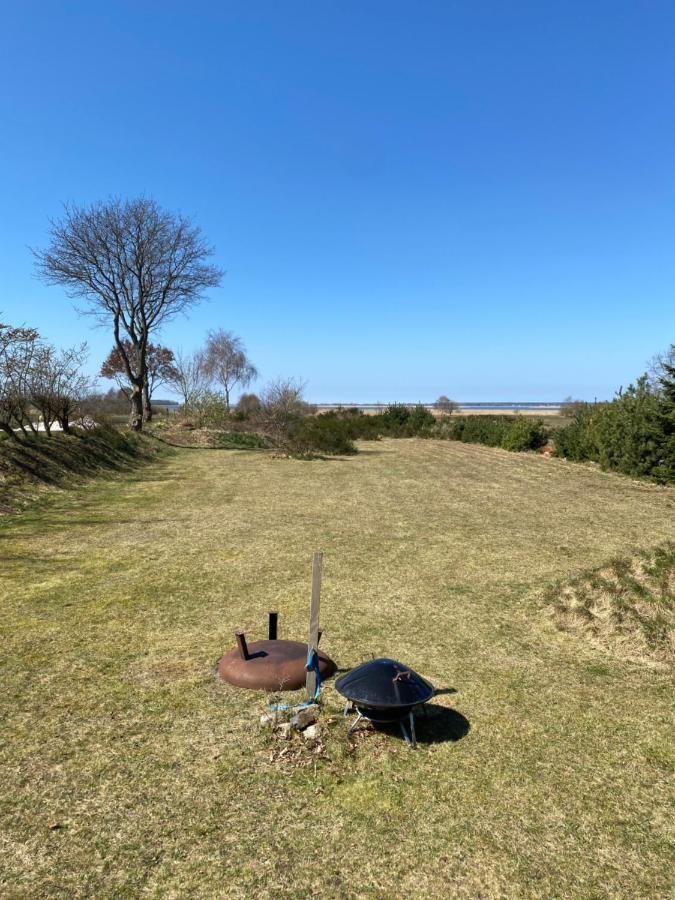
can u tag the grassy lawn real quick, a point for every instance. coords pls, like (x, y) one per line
(126, 770)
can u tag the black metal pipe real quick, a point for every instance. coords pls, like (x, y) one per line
(272, 630)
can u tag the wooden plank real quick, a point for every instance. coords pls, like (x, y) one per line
(313, 640)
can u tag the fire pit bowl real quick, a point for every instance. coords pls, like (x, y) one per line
(384, 691)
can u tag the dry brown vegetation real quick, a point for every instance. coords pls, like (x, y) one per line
(544, 770)
(626, 606)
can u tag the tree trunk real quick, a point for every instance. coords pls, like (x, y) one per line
(147, 406)
(64, 422)
(9, 431)
(136, 414)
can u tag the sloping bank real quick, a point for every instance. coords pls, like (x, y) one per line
(29, 465)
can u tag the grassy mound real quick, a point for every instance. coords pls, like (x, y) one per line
(62, 460)
(626, 606)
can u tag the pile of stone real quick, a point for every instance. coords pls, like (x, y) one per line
(285, 722)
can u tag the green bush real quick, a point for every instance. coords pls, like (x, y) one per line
(324, 434)
(420, 421)
(488, 430)
(628, 435)
(353, 423)
(509, 432)
(399, 420)
(240, 440)
(576, 441)
(524, 434)
(394, 417)
(366, 428)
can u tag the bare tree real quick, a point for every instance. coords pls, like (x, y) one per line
(41, 385)
(281, 401)
(135, 266)
(226, 363)
(57, 385)
(188, 376)
(160, 370)
(18, 346)
(248, 405)
(446, 406)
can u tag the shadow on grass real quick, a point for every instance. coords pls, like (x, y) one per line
(433, 725)
(438, 724)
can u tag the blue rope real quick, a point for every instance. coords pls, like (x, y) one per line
(312, 664)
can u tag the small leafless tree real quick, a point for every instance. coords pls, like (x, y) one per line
(446, 406)
(135, 266)
(226, 363)
(42, 387)
(159, 366)
(248, 405)
(57, 385)
(281, 401)
(188, 376)
(18, 347)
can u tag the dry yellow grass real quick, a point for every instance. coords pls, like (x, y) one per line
(128, 771)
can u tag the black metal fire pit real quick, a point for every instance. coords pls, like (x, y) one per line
(384, 691)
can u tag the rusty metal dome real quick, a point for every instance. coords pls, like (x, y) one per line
(271, 665)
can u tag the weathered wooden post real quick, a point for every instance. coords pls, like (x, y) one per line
(313, 640)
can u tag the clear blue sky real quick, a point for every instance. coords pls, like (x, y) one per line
(409, 198)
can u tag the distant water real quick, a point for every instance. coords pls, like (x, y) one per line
(542, 405)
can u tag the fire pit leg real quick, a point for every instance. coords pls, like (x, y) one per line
(410, 739)
(356, 721)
